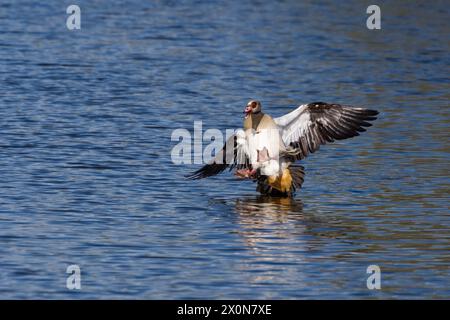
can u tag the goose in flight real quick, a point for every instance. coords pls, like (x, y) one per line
(266, 149)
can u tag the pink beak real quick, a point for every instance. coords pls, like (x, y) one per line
(247, 109)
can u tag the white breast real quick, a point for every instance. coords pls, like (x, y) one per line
(269, 139)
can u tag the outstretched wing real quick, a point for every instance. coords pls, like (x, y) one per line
(313, 124)
(234, 154)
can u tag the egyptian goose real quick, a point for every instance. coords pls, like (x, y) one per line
(266, 149)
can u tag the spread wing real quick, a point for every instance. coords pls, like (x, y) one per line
(234, 154)
(314, 124)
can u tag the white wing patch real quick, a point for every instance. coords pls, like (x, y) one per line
(242, 147)
(294, 124)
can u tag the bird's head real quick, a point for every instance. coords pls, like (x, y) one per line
(253, 106)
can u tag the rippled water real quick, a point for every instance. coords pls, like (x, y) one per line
(85, 141)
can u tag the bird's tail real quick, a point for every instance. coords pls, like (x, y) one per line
(283, 185)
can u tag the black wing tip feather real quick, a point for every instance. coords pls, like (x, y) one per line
(206, 171)
(192, 176)
(214, 168)
(354, 120)
(198, 174)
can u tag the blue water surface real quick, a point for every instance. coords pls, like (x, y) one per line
(86, 177)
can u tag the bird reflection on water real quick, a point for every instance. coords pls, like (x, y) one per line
(269, 226)
(275, 207)
(264, 221)
(271, 221)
